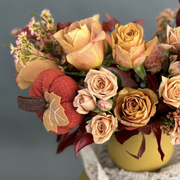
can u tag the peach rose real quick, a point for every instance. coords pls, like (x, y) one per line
(175, 68)
(98, 25)
(129, 50)
(135, 107)
(83, 44)
(101, 127)
(102, 83)
(84, 102)
(173, 39)
(169, 89)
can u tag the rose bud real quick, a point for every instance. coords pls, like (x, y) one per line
(175, 68)
(84, 102)
(105, 105)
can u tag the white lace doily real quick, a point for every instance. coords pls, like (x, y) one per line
(99, 166)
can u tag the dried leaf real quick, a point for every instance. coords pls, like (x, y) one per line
(152, 82)
(107, 26)
(157, 133)
(141, 149)
(54, 116)
(87, 139)
(146, 129)
(178, 18)
(62, 26)
(65, 141)
(28, 36)
(140, 21)
(124, 135)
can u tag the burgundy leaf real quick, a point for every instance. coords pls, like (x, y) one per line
(68, 140)
(29, 36)
(178, 57)
(178, 18)
(141, 149)
(107, 26)
(140, 21)
(60, 137)
(152, 82)
(163, 107)
(145, 129)
(157, 133)
(122, 127)
(124, 135)
(179, 1)
(112, 19)
(87, 139)
(81, 131)
(62, 26)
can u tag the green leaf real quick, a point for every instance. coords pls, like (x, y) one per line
(140, 71)
(119, 81)
(82, 73)
(109, 51)
(123, 68)
(97, 110)
(169, 71)
(33, 59)
(165, 66)
(164, 53)
(31, 13)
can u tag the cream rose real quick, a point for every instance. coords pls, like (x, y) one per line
(135, 107)
(169, 89)
(173, 39)
(83, 44)
(101, 127)
(102, 83)
(84, 102)
(129, 49)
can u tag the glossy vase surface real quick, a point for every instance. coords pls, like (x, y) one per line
(151, 159)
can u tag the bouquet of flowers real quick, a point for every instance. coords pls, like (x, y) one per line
(100, 79)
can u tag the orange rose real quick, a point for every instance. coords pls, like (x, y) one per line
(101, 127)
(169, 89)
(129, 50)
(83, 44)
(135, 107)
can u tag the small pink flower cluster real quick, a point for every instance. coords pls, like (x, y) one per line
(43, 31)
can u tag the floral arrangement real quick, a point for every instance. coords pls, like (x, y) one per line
(100, 79)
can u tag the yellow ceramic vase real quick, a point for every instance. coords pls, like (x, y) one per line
(151, 159)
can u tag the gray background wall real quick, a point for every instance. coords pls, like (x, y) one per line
(27, 150)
